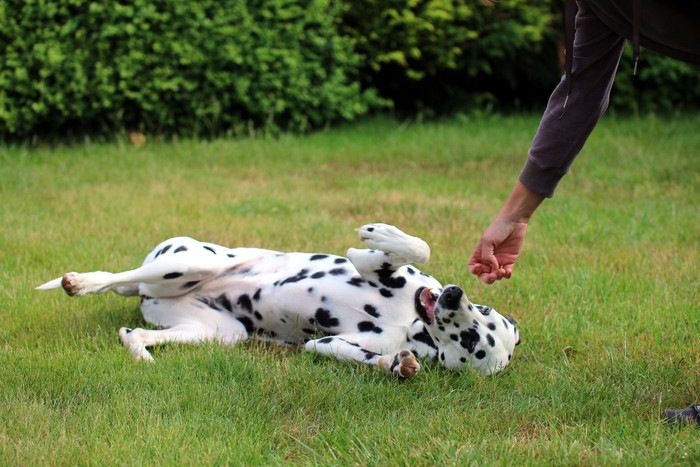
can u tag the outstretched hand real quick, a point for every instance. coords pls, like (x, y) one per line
(498, 248)
(496, 251)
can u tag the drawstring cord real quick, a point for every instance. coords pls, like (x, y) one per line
(569, 32)
(636, 26)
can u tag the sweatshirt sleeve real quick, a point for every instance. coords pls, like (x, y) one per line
(564, 129)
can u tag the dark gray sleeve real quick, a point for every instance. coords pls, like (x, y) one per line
(564, 130)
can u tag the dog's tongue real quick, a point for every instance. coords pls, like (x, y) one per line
(428, 302)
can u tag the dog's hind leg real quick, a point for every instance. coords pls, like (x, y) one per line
(402, 364)
(186, 321)
(175, 267)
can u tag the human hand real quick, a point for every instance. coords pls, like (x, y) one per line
(497, 249)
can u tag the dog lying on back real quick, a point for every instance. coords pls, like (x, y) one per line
(372, 307)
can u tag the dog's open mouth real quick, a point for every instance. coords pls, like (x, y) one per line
(425, 305)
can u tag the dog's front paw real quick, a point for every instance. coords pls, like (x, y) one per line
(395, 242)
(380, 236)
(404, 364)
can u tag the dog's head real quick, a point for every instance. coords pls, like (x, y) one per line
(465, 333)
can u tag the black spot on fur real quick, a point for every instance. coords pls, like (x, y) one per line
(370, 229)
(337, 272)
(370, 355)
(442, 356)
(469, 339)
(231, 255)
(425, 338)
(340, 260)
(301, 275)
(318, 275)
(247, 323)
(372, 284)
(490, 340)
(224, 302)
(318, 257)
(189, 285)
(307, 331)
(463, 359)
(356, 281)
(258, 316)
(325, 340)
(395, 363)
(484, 310)
(386, 293)
(208, 248)
(480, 354)
(410, 270)
(245, 303)
(505, 323)
(372, 311)
(172, 275)
(211, 303)
(179, 249)
(492, 326)
(385, 275)
(368, 326)
(454, 337)
(163, 250)
(325, 319)
(256, 296)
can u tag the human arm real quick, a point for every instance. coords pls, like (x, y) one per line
(498, 248)
(565, 126)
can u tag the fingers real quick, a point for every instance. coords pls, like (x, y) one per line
(488, 276)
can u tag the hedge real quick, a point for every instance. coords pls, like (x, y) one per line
(173, 66)
(214, 67)
(441, 55)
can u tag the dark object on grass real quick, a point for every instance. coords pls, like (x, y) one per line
(690, 415)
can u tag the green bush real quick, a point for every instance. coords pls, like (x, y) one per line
(172, 66)
(444, 54)
(662, 84)
(436, 56)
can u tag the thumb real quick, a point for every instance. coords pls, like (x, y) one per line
(488, 258)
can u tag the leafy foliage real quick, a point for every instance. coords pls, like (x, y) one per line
(230, 67)
(175, 67)
(662, 84)
(443, 54)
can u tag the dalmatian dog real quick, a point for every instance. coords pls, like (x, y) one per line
(372, 306)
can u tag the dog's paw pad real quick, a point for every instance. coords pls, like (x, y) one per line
(407, 365)
(72, 283)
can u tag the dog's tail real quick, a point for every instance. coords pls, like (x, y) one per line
(51, 285)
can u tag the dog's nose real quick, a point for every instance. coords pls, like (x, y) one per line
(450, 297)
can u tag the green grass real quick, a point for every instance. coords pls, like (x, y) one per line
(606, 294)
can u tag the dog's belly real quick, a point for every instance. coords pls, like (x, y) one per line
(294, 296)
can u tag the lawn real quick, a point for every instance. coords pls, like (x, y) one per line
(606, 294)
